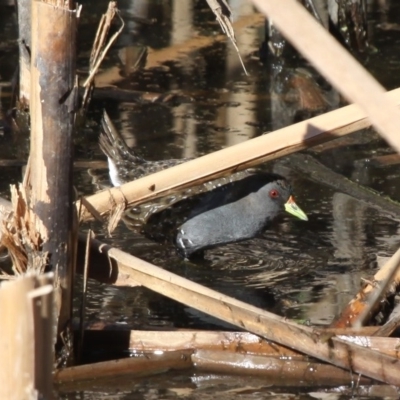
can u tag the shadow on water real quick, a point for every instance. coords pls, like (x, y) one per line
(300, 270)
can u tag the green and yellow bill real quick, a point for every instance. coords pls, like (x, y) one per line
(292, 208)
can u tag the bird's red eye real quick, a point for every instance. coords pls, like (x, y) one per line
(273, 194)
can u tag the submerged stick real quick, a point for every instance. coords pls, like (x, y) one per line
(149, 364)
(235, 158)
(280, 371)
(318, 172)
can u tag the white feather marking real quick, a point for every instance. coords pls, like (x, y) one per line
(113, 171)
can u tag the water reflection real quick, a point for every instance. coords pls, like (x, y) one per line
(276, 270)
(228, 108)
(306, 271)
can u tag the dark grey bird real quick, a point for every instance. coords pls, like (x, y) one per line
(236, 211)
(223, 211)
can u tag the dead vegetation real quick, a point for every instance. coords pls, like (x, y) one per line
(332, 355)
(20, 237)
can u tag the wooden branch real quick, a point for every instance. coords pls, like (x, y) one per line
(244, 155)
(306, 340)
(384, 345)
(100, 48)
(337, 65)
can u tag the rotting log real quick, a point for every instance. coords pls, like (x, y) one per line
(52, 123)
(268, 147)
(26, 345)
(344, 354)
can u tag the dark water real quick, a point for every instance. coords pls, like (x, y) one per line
(300, 270)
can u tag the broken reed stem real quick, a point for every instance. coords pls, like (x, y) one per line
(102, 31)
(99, 50)
(84, 294)
(26, 340)
(103, 28)
(53, 77)
(223, 13)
